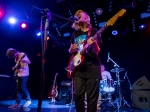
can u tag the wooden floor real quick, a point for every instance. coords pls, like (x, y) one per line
(47, 106)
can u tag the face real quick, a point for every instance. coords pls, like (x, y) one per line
(82, 16)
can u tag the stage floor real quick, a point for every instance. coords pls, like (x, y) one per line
(47, 106)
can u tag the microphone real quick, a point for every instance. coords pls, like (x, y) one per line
(108, 57)
(125, 75)
(74, 18)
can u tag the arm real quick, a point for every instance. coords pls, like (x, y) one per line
(95, 43)
(73, 48)
(25, 60)
(108, 75)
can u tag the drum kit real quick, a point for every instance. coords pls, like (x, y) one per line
(109, 88)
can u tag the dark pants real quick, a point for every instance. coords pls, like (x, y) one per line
(22, 89)
(91, 87)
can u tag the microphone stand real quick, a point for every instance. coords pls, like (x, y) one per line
(118, 84)
(47, 16)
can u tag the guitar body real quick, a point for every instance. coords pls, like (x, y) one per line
(53, 92)
(75, 62)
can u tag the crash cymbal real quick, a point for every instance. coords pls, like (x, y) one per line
(117, 70)
(3, 75)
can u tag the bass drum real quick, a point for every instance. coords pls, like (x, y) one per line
(107, 86)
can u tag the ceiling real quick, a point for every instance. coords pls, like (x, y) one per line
(32, 10)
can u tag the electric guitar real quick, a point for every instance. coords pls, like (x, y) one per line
(18, 66)
(78, 59)
(53, 91)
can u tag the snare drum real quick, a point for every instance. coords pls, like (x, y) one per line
(107, 85)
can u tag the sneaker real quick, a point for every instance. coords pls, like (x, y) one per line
(27, 104)
(15, 106)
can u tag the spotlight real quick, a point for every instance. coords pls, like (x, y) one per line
(142, 26)
(99, 11)
(12, 20)
(1, 13)
(23, 25)
(114, 32)
(39, 33)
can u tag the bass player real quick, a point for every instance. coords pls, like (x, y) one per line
(86, 77)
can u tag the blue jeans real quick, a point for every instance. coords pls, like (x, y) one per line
(22, 89)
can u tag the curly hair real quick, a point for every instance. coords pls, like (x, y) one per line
(10, 52)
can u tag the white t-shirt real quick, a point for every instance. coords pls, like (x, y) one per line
(24, 70)
(106, 75)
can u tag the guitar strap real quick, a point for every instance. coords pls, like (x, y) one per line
(88, 36)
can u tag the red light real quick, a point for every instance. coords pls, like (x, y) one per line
(23, 25)
(1, 13)
(47, 38)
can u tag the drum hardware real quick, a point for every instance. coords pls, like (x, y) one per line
(107, 89)
(119, 97)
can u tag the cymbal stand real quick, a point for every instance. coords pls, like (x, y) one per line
(118, 100)
(126, 76)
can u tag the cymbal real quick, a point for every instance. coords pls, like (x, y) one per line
(117, 70)
(2, 75)
(120, 81)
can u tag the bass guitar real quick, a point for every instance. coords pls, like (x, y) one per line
(78, 59)
(53, 91)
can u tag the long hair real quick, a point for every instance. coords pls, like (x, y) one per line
(78, 26)
(10, 52)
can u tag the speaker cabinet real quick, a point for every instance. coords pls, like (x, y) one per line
(65, 91)
(141, 93)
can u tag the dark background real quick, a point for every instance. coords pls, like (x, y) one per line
(130, 50)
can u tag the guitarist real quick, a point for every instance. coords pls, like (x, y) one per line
(86, 77)
(21, 73)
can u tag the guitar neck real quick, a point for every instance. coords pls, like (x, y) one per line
(94, 37)
(100, 31)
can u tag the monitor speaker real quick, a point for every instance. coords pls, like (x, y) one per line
(141, 93)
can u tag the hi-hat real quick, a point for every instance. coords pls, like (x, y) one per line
(117, 70)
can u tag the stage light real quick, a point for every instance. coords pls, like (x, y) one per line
(1, 13)
(39, 33)
(23, 25)
(142, 26)
(66, 34)
(114, 32)
(12, 20)
(99, 11)
(47, 38)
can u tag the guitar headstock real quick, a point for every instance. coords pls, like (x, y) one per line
(112, 20)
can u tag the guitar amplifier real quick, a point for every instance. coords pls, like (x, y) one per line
(65, 91)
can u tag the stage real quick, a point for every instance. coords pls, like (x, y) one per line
(47, 106)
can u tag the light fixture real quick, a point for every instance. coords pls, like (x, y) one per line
(99, 11)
